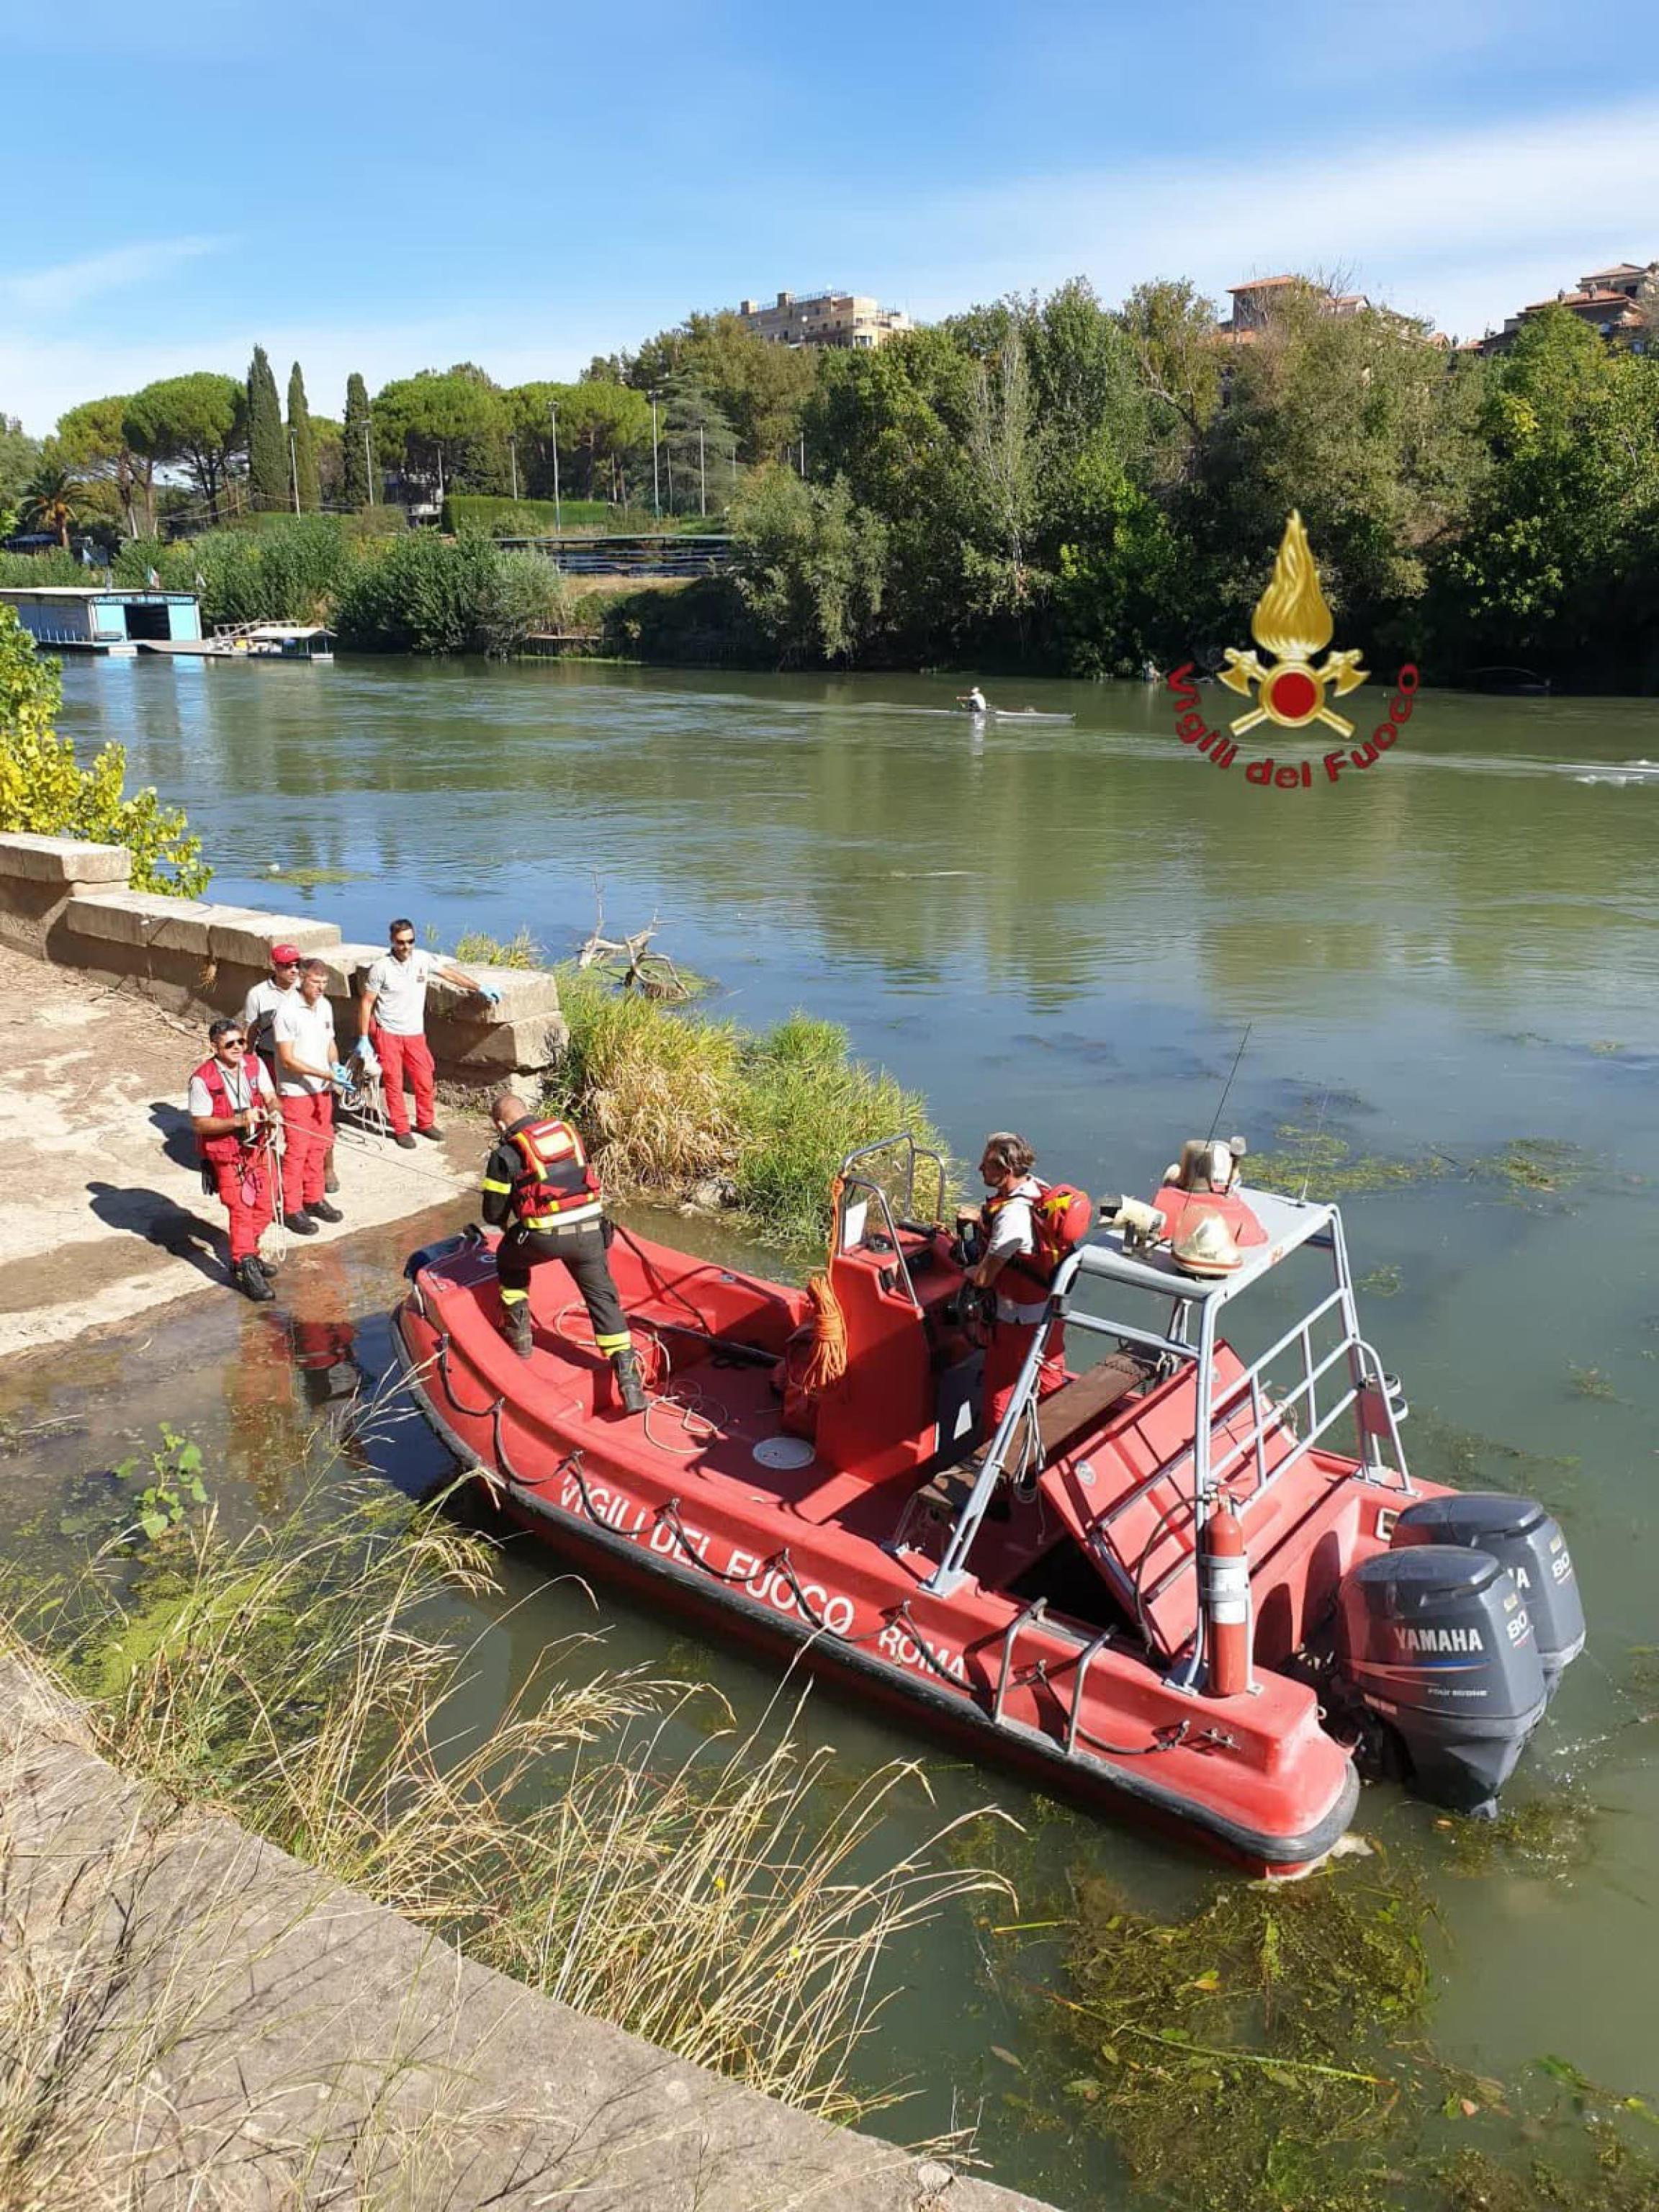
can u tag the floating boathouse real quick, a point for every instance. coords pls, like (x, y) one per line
(103, 618)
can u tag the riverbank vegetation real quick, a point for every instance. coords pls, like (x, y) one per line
(1051, 484)
(611, 1840)
(45, 791)
(675, 1105)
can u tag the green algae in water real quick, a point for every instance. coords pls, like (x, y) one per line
(1444, 1451)
(1330, 1168)
(1591, 1382)
(1254, 2056)
(1534, 1166)
(1551, 1836)
(309, 880)
(1270, 2055)
(1384, 1282)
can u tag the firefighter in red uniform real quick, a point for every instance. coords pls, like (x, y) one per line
(233, 1111)
(538, 1187)
(1012, 1266)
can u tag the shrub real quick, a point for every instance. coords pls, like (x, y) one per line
(810, 564)
(280, 568)
(38, 571)
(423, 593)
(668, 1100)
(44, 790)
(484, 515)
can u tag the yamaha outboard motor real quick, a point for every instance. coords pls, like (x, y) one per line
(1436, 1640)
(1520, 1535)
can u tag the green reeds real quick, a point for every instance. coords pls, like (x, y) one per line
(669, 1100)
(611, 1839)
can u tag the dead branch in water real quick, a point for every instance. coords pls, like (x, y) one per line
(628, 960)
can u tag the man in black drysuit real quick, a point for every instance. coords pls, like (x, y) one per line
(538, 1188)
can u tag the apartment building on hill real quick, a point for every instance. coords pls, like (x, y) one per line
(831, 319)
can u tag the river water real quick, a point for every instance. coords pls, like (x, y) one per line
(1067, 928)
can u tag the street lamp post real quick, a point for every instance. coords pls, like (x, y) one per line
(656, 498)
(558, 512)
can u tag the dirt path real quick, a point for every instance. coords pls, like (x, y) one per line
(101, 1210)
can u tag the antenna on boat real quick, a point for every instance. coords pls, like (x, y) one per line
(1216, 1123)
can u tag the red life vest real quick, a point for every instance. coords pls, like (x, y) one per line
(555, 1188)
(1061, 1217)
(229, 1144)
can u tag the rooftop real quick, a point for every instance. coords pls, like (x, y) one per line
(88, 591)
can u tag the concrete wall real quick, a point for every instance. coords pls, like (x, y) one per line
(69, 902)
(227, 2028)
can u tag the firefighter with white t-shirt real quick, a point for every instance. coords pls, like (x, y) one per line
(259, 1010)
(308, 1071)
(391, 1015)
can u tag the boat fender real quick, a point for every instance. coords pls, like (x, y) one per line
(1224, 1571)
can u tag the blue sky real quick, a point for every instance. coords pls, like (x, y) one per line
(390, 188)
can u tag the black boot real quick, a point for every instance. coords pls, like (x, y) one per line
(515, 1327)
(632, 1390)
(299, 1224)
(249, 1278)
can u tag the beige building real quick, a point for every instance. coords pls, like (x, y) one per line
(832, 319)
(1605, 300)
(1254, 304)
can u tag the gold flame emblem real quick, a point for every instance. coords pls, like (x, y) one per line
(1293, 623)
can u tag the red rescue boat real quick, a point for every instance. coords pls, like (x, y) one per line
(1164, 1588)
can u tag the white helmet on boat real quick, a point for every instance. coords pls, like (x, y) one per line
(1205, 1247)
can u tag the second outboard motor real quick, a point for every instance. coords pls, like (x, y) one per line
(1437, 1642)
(1520, 1535)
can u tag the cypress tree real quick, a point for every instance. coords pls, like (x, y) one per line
(267, 448)
(304, 455)
(360, 478)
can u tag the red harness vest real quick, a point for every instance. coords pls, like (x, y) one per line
(555, 1183)
(1061, 1215)
(229, 1144)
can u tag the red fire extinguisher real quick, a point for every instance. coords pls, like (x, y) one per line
(1225, 1572)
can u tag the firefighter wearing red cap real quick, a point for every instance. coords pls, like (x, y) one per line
(233, 1112)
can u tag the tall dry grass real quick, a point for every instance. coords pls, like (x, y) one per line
(611, 1839)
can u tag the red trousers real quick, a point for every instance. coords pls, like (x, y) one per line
(400, 1057)
(1005, 1355)
(308, 1124)
(244, 1188)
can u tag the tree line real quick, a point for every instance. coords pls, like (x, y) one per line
(1049, 484)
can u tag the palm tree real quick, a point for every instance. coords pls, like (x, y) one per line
(52, 500)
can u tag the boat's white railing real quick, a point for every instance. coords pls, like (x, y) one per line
(1369, 1396)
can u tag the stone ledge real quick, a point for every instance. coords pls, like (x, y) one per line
(63, 860)
(121, 917)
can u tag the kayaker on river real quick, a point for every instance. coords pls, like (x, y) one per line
(975, 700)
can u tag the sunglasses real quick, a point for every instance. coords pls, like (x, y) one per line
(402, 943)
(238, 1041)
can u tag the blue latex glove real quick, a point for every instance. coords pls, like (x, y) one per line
(341, 1073)
(490, 994)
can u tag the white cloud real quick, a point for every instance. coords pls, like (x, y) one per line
(1466, 227)
(49, 293)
